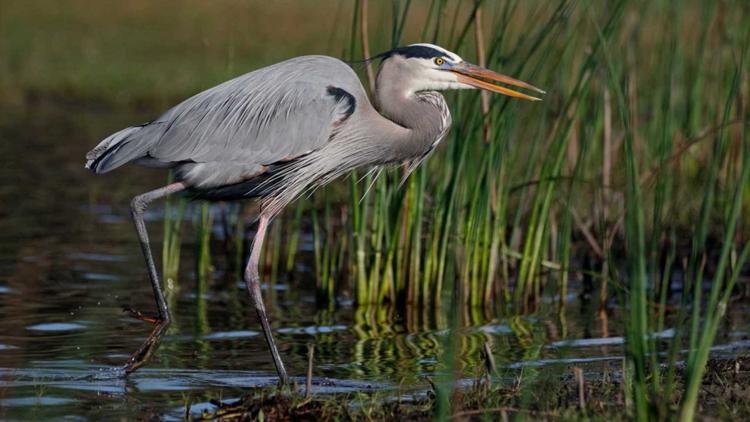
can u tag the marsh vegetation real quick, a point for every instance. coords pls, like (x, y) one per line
(597, 241)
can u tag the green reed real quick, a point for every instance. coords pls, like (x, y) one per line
(173, 212)
(703, 330)
(203, 226)
(404, 237)
(638, 347)
(496, 209)
(641, 139)
(638, 119)
(646, 289)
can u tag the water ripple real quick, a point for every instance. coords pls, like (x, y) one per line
(228, 335)
(55, 327)
(313, 329)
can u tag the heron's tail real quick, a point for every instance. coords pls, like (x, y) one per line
(114, 151)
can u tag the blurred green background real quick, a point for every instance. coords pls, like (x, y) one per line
(144, 52)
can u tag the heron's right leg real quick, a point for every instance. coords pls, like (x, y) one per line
(252, 280)
(137, 207)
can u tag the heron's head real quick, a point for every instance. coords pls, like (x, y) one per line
(427, 67)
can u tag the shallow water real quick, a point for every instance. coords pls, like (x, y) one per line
(70, 263)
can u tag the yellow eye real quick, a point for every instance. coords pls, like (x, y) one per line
(439, 61)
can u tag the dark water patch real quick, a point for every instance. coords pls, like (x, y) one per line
(35, 401)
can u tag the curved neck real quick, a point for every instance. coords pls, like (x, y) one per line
(425, 115)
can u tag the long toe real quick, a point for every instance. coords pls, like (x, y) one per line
(152, 319)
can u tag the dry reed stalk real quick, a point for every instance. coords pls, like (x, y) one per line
(308, 382)
(366, 43)
(482, 61)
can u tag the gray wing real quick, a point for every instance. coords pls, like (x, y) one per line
(273, 114)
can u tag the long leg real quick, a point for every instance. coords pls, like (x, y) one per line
(252, 279)
(137, 207)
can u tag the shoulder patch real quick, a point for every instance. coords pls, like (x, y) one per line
(342, 95)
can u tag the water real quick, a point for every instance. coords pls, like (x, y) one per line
(70, 263)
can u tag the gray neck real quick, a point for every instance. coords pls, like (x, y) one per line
(424, 114)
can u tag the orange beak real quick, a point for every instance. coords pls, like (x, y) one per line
(480, 77)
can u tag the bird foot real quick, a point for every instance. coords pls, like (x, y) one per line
(142, 317)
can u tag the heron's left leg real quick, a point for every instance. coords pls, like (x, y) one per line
(252, 279)
(137, 207)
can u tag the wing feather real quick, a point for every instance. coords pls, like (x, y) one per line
(272, 114)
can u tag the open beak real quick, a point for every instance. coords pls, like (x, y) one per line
(480, 77)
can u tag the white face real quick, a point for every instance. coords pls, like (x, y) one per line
(431, 74)
(426, 67)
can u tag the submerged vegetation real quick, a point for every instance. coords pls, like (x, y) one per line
(628, 185)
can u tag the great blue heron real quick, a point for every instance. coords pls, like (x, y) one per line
(285, 129)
